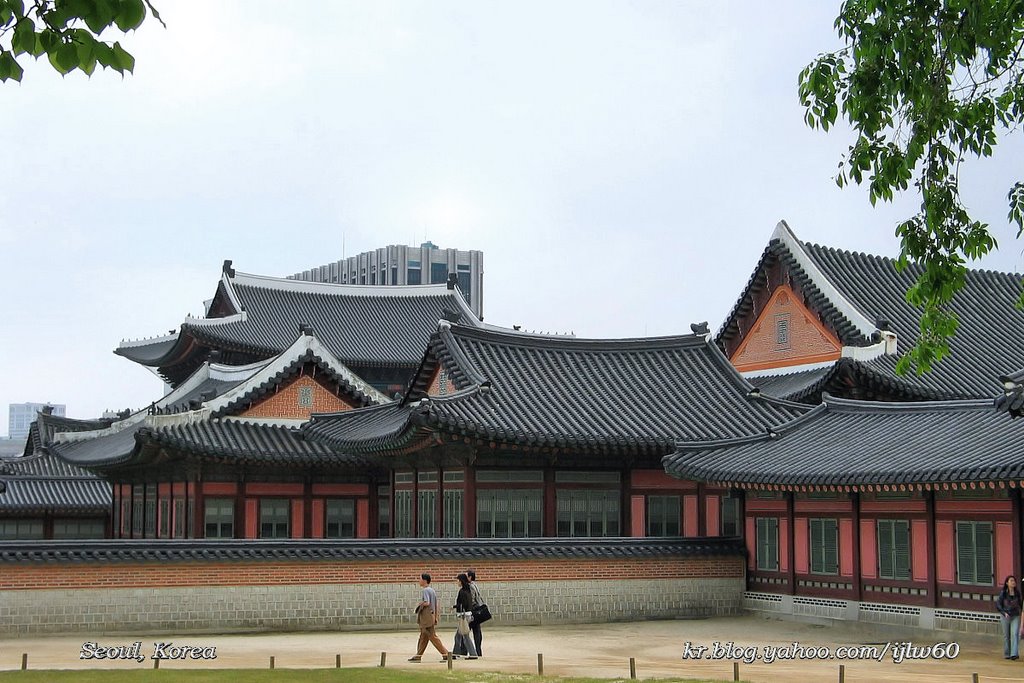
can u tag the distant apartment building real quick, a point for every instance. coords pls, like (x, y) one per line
(426, 264)
(22, 415)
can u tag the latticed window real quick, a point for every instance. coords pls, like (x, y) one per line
(663, 515)
(824, 546)
(340, 518)
(78, 528)
(426, 518)
(730, 518)
(21, 529)
(403, 514)
(767, 530)
(974, 553)
(219, 517)
(179, 518)
(588, 512)
(274, 517)
(894, 549)
(383, 511)
(453, 514)
(508, 513)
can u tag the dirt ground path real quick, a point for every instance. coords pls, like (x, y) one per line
(600, 650)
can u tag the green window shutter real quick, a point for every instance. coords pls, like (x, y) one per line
(965, 565)
(767, 543)
(830, 532)
(886, 568)
(901, 550)
(983, 571)
(816, 542)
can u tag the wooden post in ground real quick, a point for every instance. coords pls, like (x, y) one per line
(383, 659)
(24, 661)
(449, 658)
(974, 678)
(540, 664)
(632, 667)
(271, 661)
(156, 662)
(735, 671)
(337, 661)
(842, 673)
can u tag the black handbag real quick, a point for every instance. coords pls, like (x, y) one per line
(481, 614)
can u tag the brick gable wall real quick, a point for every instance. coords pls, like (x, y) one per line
(806, 340)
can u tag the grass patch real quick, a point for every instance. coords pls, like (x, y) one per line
(369, 675)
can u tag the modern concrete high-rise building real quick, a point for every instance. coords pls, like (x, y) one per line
(22, 415)
(402, 265)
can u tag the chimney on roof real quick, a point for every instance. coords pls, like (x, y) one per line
(226, 268)
(453, 280)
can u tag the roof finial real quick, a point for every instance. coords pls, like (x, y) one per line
(700, 328)
(226, 268)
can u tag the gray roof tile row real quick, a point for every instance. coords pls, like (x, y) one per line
(864, 443)
(640, 394)
(426, 549)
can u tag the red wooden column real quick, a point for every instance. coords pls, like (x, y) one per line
(787, 538)
(933, 550)
(1015, 506)
(550, 505)
(858, 585)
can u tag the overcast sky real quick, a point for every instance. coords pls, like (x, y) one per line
(621, 165)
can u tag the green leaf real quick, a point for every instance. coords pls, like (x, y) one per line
(24, 38)
(67, 57)
(9, 67)
(123, 60)
(131, 15)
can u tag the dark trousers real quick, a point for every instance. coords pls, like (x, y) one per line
(478, 637)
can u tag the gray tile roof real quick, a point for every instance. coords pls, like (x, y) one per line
(107, 448)
(862, 443)
(377, 326)
(794, 386)
(42, 483)
(558, 392)
(466, 550)
(850, 291)
(231, 441)
(42, 431)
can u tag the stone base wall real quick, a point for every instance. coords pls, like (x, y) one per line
(253, 595)
(354, 606)
(827, 610)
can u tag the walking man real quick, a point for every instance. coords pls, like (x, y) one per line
(474, 625)
(426, 617)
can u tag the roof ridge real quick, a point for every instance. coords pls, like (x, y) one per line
(337, 288)
(532, 339)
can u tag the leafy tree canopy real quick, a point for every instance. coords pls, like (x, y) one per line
(924, 84)
(68, 33)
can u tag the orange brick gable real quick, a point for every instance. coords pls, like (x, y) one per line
(441, 384)
(808, 340)
(285, 402)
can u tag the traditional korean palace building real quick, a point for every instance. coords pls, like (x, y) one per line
(353, 435)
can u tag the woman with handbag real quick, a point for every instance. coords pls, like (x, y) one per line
(464, 611)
